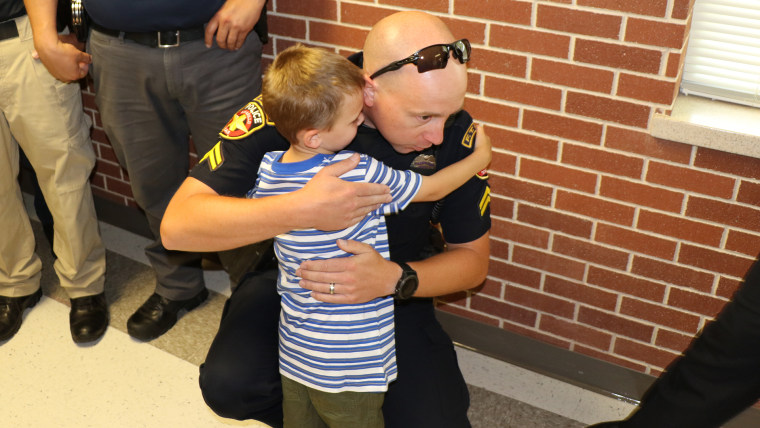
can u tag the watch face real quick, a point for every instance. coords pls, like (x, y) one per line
(407, 284)
(407, 287)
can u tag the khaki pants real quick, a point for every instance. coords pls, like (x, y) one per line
(44, 116)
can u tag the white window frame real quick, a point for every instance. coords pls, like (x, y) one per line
(723, 56)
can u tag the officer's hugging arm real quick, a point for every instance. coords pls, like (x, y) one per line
(209, 212)
(465, 214)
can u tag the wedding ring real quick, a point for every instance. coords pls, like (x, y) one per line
(332, 288)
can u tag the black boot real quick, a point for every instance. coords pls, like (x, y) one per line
(12, 312)
(88, 318)
(158, 314)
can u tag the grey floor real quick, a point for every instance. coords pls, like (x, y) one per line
(122, 382)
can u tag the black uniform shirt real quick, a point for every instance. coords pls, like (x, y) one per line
(231, 167)
(10, 9)
(151, 15)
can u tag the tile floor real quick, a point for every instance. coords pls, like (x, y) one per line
(46, 380)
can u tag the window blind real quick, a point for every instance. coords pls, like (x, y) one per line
(723, 56)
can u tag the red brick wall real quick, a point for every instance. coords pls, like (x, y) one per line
(605, 240)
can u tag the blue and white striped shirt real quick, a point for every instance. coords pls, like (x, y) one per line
(332, 347)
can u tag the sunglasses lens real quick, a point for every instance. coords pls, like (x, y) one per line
(462, 50)
(432, 58)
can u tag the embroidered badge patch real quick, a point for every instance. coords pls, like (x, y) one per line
(243, 123)
(469, 136)
(485, 201)
(214, 157)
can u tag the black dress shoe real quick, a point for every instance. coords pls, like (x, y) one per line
(12, 312)
(88, 318)
(158, 314)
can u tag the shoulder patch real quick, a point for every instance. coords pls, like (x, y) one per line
(259, 99)
(243, 123)
(214, 157)
(485, 201)
(469, 136)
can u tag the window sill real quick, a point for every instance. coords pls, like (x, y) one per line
(710, 123)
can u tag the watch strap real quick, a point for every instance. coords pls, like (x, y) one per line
(406, 272)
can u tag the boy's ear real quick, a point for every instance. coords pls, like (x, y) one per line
(309, 138)
(312, 139)
(369, 91)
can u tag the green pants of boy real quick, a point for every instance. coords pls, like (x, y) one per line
(305, 407)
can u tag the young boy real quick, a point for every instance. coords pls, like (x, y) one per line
(336, 361)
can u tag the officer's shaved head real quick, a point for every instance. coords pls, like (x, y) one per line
(409, 108)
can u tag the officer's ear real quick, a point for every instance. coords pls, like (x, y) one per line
(370, 89)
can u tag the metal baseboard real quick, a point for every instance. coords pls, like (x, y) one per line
(583, 371)
(571, 367)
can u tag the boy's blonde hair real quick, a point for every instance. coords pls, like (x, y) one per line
(304, 88)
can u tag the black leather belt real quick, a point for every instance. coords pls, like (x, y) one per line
(8, 30)
(158, 39)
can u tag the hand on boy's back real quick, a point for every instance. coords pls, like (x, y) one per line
(336, 204)
(356, 279)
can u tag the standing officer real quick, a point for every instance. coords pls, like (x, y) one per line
(164, 70)
(44, 116)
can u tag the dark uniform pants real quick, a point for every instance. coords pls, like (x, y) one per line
(718, 376)
(240, 378)
(151, 100)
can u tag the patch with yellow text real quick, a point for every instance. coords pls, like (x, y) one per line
(245, 122)
(469, 136)
(260, 99)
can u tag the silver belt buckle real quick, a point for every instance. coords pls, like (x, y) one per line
(168, 43)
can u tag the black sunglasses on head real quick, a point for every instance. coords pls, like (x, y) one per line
(433, 57)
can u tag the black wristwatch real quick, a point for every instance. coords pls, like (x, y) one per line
(407, 284)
